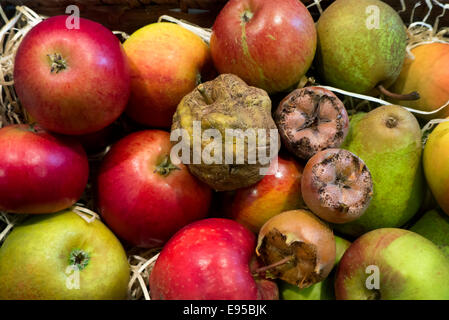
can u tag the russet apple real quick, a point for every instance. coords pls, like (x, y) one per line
(269, 44)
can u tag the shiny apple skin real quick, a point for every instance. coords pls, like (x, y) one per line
(273, 50)
(39, 172)
(140, 205)
(277, 192)
(208, 260)
(87, 96)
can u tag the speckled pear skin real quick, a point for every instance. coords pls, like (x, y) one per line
(393, 156)
(35, 257)
(353, 54)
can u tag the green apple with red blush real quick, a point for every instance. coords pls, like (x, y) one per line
(393, 264)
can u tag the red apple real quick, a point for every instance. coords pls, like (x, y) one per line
(72, 81)
(277, 192)
(269, 44)
(142, 196)
(39, 172)
(209, 260)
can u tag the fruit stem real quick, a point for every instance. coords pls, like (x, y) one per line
(32, 127)
(391, 122)
(206, 98)
(57, 62)
(404, 97)
(274, 265)
(246, 16)
(165, 167)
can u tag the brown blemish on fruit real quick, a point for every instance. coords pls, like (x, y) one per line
(341, 184)
(310, 120)
(303, 243)
(391, 122)
(302, 268)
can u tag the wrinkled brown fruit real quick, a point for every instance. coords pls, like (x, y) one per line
(337, 185)
(310, 120)
(229, 103)
(305, 240)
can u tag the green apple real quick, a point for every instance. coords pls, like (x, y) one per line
(61, 256)
(392, 264)
(434, 225)
(323, 290)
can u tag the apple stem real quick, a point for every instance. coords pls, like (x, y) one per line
(246, 16)
(32, 127)
(203, 93)
(274, 265)
(165, 167)
(403, 97)
(57, 62)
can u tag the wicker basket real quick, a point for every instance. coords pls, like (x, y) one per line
(129, 15)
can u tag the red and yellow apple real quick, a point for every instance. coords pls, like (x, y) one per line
(72, 81)
(277, 192)
(166, 63)
(142, 196)
(427, 73)
(269, 44)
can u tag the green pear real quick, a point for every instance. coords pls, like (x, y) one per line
(361, 44)
(388, 140)
(434, 225)
(61, 256)
(323, 290)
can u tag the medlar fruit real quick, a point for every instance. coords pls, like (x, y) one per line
(337, 185)
(299, 247)
(310, 120)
